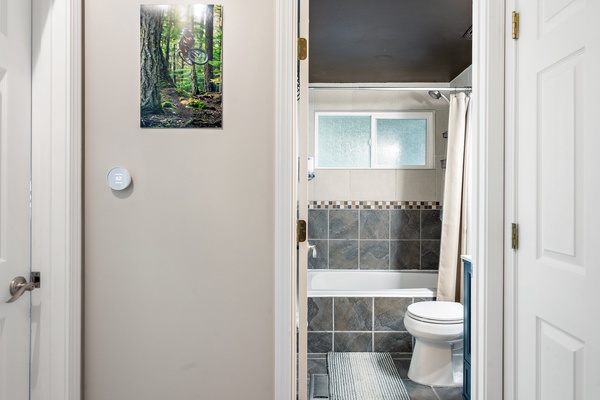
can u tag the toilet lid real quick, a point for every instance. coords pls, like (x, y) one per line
(437, 312)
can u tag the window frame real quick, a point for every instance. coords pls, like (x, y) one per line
(428, 115)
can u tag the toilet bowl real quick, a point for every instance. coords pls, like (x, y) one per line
(437, 327)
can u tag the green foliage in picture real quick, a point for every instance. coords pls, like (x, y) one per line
(181, 65)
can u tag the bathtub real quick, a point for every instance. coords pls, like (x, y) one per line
(332, 283)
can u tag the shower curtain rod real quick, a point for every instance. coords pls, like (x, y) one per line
(397, 88)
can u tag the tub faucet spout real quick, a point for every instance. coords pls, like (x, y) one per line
(313, 250)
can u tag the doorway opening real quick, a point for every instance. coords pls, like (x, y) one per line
(366, 214)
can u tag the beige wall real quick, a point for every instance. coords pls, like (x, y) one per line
(179, 269)
(397, 185)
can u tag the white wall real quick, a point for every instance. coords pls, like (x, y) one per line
(397, 185)
(465, 78)
(179, 270)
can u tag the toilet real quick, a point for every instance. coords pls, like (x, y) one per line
(437, 327)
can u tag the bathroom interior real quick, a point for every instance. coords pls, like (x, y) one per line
(381, 78)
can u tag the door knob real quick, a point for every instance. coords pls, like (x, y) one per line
(19, 285)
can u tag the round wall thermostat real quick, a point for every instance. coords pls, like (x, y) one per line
(118, 178)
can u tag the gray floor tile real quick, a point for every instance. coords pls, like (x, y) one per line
(449, 393)
(402, 366)
(317, 364)
(419, 392)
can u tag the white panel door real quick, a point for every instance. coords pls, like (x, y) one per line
(301, 125)
(558, 264)
(15, 156)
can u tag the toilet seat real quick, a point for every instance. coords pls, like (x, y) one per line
(437, 312)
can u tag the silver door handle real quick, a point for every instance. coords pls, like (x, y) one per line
(18, 286)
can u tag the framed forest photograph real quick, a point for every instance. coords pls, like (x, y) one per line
(181, 76)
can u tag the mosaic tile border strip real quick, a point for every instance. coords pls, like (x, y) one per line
(375, 205)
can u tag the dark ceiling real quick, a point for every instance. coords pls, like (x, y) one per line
(358, 41)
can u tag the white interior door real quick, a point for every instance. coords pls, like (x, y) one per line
(15, 161)
(558, 267)
(302, 201)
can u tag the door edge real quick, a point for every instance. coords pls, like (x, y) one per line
(58, 358)
(284, 329)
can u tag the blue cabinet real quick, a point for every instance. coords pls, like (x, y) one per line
(468, 273)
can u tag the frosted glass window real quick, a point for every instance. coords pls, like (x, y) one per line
(344, 141)
(401, 142)
(370, 140)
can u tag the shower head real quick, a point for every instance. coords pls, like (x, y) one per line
(436, 94)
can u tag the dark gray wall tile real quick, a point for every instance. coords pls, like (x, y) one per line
(353, 313)
(322, 260)
(430, 254)
(405, 254)
(374, 254)
(317, 366)
(374, 224)
(419, 299)
(353, 341)
(389, 239)
(389, 313)
(431, 225)
(343, 254)
(343, 224)
(319, 342)
(405, 224)
(318, 224)
(393, 341)
(320, 314)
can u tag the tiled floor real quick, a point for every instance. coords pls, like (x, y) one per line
(317, 364)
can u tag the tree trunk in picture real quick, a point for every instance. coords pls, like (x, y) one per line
(164, 57)
(209, 86)
(173, 57)
(150, 53)
(194, 78)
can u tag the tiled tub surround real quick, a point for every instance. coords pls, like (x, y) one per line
(374, 238)
(359, 324)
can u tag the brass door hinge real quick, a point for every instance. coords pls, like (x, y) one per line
(302, 49)
(301, 231)
(515, 237)
(515, 25)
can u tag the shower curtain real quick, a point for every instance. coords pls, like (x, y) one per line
(455, 215)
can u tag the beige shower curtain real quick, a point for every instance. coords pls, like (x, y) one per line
(455, 215)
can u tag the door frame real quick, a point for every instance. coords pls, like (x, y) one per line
(57, 143)
(59, 154)
(487, 198)
(285, 201)
(510, 213)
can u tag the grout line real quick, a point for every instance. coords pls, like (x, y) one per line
(358, 234)
(328, 255)
(327, 244)
(373, 324)
(333, 323)
(389, 240)
(359, 332)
